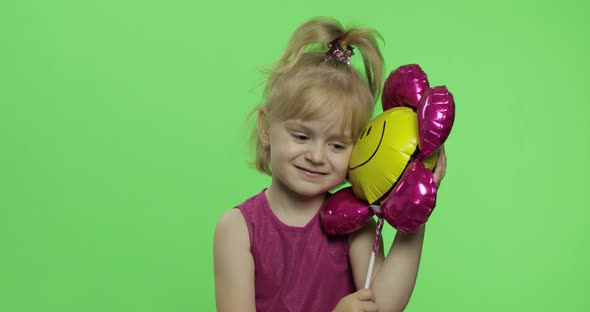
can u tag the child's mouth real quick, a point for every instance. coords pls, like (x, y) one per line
(310, 172)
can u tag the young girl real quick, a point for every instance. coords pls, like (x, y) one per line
(271, 253)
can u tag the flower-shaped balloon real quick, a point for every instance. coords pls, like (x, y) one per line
(390, 166)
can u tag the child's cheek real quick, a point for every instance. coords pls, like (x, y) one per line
(342, 166)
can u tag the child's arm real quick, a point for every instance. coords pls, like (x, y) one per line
(234, 266)
(394, 283)
(393, 277)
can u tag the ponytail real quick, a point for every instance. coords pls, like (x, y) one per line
(317, 33)
(306, 82)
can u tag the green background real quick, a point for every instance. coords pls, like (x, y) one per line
(122, 141)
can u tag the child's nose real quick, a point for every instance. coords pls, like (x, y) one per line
(316, 154)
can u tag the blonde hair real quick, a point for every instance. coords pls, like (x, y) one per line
(303, 85)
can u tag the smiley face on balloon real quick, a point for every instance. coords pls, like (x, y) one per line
(384, 149)
(391, 164)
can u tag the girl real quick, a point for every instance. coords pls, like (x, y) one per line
(271, 253)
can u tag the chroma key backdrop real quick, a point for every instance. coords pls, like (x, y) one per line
(123, 139)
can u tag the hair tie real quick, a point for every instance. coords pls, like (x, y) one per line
(338, 53)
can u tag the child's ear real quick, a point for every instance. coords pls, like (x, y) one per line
(263, 127)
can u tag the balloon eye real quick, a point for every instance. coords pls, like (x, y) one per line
(363, 133)
(369, 131)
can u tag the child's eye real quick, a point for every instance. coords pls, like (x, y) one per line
(300, 136)
(338, 146)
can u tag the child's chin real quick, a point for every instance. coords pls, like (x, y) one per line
(314, 192)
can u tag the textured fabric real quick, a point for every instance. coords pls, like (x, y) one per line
(296, 268)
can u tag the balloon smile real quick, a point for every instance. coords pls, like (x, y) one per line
(375, 151)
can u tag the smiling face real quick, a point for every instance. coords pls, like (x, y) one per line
(370, 144)
(308, 157)
(382, 152)
(311, 93)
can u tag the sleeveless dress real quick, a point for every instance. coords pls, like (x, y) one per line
(296, 268)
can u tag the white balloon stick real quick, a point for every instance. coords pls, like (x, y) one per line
(377, 211)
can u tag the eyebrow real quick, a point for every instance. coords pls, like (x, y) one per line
(340, 137)
(297, 124)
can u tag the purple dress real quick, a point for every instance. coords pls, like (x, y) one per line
(296, 268)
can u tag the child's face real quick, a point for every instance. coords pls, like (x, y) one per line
(309, 157)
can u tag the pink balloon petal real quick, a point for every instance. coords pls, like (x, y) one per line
(413, 199)
(344, 213)
(404, 87)
(436, 114)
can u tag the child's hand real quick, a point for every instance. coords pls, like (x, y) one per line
(360, 301)
(441, 166)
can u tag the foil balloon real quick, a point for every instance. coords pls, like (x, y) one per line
(344, 213)
(405, 88)
(390, 168)
(436, 113)
(381, 154)
(411, 202)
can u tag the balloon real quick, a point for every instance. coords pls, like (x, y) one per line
(411, 202)
(404, 87)
(382, 152)
(344, 213)
(390, 165)
(436, 114)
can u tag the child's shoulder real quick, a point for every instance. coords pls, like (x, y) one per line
(232, 224)
(231, 229)
(233, 262)
(231, 217)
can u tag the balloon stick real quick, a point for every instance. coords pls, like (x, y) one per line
(375, 244)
